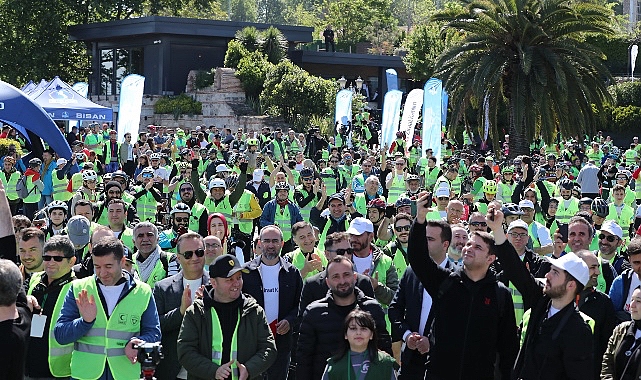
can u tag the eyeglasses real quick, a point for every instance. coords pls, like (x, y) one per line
(333, 162)
(342, 251)
(308, 178)
(189, 254)
(443, 198)
(57, 259)
(185, 190)
(181, 220)
(610, 238)
(213, 246)
(400, 163)
(518, 236)
(478, 224)
(402, 228)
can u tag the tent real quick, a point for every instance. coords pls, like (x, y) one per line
(61, 102)
(29, 119)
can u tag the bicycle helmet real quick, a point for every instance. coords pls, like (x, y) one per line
(510, 209)
(412, 177)
(566, 184)
(476, 169)
(615, 152)
(585, 201)
(57, 205)
(148, 170)
(217, 183)
(508, 170)
(180, 207)
(231, 181)
(89, 175)
(600, 207)
(281, 186)
(121, 174)
(306, 172)
(155, 156)
(400, 202)
(490, 187)
(377, 203)
(625, 173)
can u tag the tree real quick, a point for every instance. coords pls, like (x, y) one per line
(424, 44)
(274, 45)
(243, 10)
(529, 56)
(351, 18)
(250, 37)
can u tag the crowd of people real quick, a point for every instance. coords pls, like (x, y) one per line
(281, 255)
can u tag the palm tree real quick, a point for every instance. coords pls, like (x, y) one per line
(274, 45)
(530, 57)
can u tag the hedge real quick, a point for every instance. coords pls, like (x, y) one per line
(178, 105)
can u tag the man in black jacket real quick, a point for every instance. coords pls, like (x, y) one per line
(558, 343)
(472, 320)
(276, 285)
(321, 330)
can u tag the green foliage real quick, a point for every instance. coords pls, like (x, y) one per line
(250, 38)
(271, 11)
(620, 119)
(203, 9)
(350, 19)
(235, 51)
(296, 96)
(203, 79)
(252, 71)
(615, 49)
(626, 94)
(324, 123)
(4, 147)
(182, 104)
(274, 45)
(529, 56)
(243, 10)
(424, 45)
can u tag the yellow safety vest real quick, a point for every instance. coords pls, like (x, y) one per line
(159, 272)
(10, 185)
(564, 214)
(217, 344)
(397, 188)
(244, 225)
(223, 207)
(196, 213)
(106, 340)
(305, 211)
(323, 235)
(146, 206)
(282, 219)
(59, 354)
(298, 259)
(60, 192)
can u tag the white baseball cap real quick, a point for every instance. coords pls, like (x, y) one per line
(442, 191)
(222, 168)
(258, 175)
(572, 264)
(612, 227)
(517, 224)
(359, 226)
(61, 161)
(526, 203)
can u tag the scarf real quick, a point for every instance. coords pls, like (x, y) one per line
(145, 268)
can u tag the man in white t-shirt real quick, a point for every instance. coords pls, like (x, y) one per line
(174, 295)
(276, 284)
(625, 283)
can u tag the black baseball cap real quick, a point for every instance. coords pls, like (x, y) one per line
(225, 266)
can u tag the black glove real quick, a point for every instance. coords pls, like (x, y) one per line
(243, 167)
(390, 211)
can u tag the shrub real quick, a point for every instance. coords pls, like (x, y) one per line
(178, 105)
(626, 94)
(235, 51)
(203, 79)
(4, 147)
(252, 71)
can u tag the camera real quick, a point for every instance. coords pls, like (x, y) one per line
(149, 355)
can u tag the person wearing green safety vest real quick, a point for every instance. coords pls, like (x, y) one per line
(551, 306)
(147, 196)
(517, 235)
(308, 259)
(293, 144)
(623, 179)
(57, 218)
(540, 240)
(93, 139)
(199, 214)
(117, 215)
(47, 358)
(489, 190)
(218, 200)
(610, 238)
(631, 156)
(32, 184)
(380, 214)
(451, 178)
(567, 204)
(397, 249)
(9, 178)
(179, 218)
(277, 146)
(415, 155)
(395, 181)
(372, 187)
(243, 215)
(60, 179)
(183, 176)
(106, 316)
(507, 185)
(282, 212)
(225, 335)
(620, 212)
(338, 218)
(306, 195)
(150, 262)
(112, 191)
(430, 174)
(349, 169)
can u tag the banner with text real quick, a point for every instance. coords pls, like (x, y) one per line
(131, 90)
(411, 112)
(432, 116)
(391, 116)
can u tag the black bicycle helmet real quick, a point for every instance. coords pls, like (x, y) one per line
(600, 207)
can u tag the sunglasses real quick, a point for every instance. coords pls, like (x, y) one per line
(308, 179)
(477, 224)
(610, 238)
(342, 251)
(443, 198)
(189, 254)
(57, 259)
(181, 220)
(402, 228)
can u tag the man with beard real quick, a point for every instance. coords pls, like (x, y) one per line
(113, 190)
(30, 247)
(117, 215)
(567, 204)
(411, 306)
(282, 213)
(198, 215)
(322, 324)
(459, 239)
(610, 239)
(558, 343)
(338, 218)
(413, 187)
(151, 263)
(276, 285)
(397, 249)
(471, 295)
(179, 216)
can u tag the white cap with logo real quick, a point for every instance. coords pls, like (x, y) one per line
(574, 265)
(359, 226)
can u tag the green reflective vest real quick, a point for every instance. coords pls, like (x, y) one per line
(397, 188)
(10, 184)
(194, 218)
(305, 211)
(244, 205)
(146, 206)
(564, 213)
(323, 235)
(223, 207)
(60, 192)
(106, 340)
(517, 300)
(360, 203)
(159, 272)
(298, 259)
(624, 217)
(282, 220)
(217, 344)
(59, 354)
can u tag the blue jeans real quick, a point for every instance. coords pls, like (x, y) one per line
(112, 167)
(44, 200)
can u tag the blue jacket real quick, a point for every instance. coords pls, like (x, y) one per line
(269, 214)
(47, 177)
(619, 293)
(71, 327)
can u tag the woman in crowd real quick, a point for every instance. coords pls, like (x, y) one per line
(622, 358)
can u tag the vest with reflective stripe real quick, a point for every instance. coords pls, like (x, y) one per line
(217, 343)
(305, 211)
(564, 214)
(10, 185)
(505, 195)
(456, 185)
(431, 175)
(108, 337)
(517, 300)
(330, 183)
(59, 355)
(623, 219)
(244, 225)
(526, 321)
(282, 220)
(146, 206)
(534, 234)
(398, 259)
(380, 267)
(298, 260)
(194, 219)
(223, 207)
(159, 272)
(360, 203)
(630, 157)
(76, 182)
(34, 193)
(323, 235)
(397, 188)
(60, 192)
